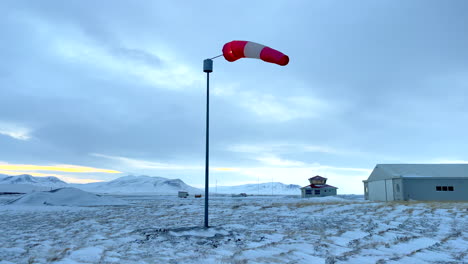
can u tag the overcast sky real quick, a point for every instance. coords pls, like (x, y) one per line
(95, 90)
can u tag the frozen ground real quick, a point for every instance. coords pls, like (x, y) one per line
(158, 229)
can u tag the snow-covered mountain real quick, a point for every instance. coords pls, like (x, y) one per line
(50, 181)
(122, 185)
(269, 188)
(139, 184)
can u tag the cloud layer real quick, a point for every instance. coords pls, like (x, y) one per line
(115, 85)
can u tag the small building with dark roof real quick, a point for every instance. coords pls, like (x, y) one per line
(318, 187)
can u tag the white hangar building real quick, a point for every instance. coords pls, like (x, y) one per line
(424, 182)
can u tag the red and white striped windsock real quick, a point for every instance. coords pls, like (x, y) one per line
(237, 49)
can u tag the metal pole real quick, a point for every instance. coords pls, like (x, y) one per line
(207, 67)
(207, 147)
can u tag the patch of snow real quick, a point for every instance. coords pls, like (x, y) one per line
(198, 232)
(6, 262)
(89, 254)
(345, 238)
(66, 197)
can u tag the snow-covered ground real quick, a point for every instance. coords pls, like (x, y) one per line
(66, 197)
(166, 229)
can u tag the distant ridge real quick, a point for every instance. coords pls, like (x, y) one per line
(49, 181)
(270, 188)
(26, 183)
(124, 185)
(139, 184)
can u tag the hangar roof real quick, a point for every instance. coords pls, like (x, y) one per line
(389, 171)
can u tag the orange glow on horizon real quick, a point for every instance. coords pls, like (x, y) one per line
(224, 169)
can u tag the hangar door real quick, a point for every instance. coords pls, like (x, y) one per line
(389, 190)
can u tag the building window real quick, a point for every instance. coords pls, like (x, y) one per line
(317, 192)
(445, 188)
(308, 191)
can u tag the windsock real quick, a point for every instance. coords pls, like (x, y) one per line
(237, 49)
